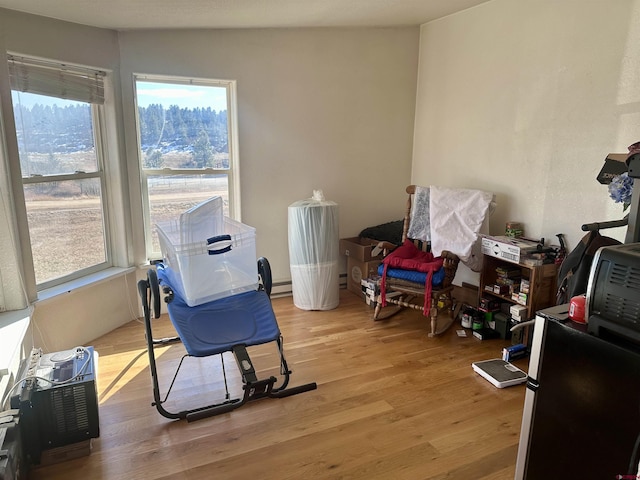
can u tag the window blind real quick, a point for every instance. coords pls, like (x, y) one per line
(56, 79)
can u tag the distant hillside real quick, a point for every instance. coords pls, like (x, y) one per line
(199, 134)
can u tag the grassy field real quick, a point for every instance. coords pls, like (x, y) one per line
(65, 219)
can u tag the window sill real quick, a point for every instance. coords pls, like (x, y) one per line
(86, 281)
(13, 328)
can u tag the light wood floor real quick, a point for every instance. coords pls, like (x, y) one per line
(391, 403)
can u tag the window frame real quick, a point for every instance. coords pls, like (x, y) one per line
(232, 172)
(99, 131)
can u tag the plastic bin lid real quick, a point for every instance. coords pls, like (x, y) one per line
(202, 221)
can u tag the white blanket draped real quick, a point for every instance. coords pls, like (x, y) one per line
(456, 217)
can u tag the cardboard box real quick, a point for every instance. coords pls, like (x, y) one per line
(357, 270)
(371, 285)
(518, 310)
(359, 249)
(514, 352)
(371, 289)
(489, 304)
(507, 248)
(523, 298)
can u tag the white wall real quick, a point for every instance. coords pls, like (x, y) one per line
(328, 109)
(521, 98)
(525, 99)
(82, 315)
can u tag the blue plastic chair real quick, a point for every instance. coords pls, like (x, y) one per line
(230, 324)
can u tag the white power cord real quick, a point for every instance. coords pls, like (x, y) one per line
(80, 373)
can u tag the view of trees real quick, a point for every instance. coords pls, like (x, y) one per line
(53, 129)
(192, 138)
(199, 132)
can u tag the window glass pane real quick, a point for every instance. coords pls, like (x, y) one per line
(65, 226)
(55, 136)
(182, 126)
(171, 195)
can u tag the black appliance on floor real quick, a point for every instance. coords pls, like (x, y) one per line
(58, 401)
(581, 415)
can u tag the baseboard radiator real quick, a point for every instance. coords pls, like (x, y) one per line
(285, 289)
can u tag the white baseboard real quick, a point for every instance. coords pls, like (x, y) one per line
(284, 288)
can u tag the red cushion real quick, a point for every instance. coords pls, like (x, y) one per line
(409, 257)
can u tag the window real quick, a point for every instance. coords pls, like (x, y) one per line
(186, 138)
(58, 118)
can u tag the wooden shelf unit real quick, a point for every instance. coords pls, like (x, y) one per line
(542, 283)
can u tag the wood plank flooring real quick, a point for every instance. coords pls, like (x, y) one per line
(391, 403)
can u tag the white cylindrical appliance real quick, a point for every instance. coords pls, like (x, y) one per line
(313, 253)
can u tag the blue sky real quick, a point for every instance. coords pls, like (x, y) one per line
(166, 94)
(30, 99)
(185, 96)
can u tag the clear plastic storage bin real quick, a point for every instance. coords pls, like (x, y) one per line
(217, 265)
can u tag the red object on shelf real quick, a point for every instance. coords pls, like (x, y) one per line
(577, 309)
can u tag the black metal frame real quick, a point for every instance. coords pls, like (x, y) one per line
(253, 387)
(632, 219)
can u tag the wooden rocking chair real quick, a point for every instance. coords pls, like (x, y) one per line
(404, 293)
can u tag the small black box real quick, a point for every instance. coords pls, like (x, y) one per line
(502, 325)
(485, 334)
(489, 304)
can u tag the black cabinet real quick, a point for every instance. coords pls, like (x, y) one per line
(581, 414)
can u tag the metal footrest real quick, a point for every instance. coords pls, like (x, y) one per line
(259, 389)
